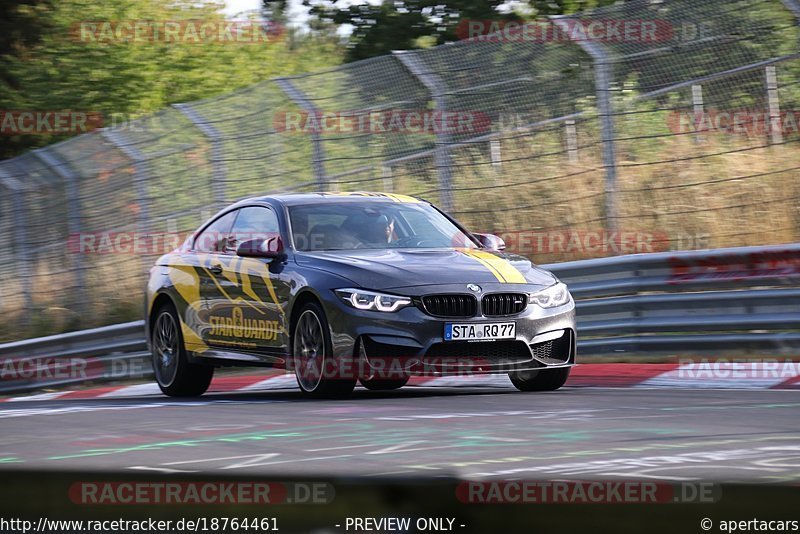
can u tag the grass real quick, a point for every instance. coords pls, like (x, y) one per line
(720, 192)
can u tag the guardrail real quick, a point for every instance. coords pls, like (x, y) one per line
(103, 354)
(737, 298)
(682, 302)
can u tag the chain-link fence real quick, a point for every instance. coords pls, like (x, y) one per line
(646, 126)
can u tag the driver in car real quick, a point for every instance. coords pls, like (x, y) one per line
(374, 230)
(386, 228)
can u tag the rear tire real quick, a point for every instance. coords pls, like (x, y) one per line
(175, 375)
(383, 384)
(311, 349)
(540, 379)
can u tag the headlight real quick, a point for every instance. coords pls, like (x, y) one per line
(369, 300)
(553, 296)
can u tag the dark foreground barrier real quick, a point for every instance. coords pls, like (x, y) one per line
(61, 502)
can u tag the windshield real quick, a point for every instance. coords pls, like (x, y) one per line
(373, 225)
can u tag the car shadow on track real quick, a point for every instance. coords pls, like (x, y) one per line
(363, 394)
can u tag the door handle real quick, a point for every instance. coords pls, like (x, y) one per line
(215, 269)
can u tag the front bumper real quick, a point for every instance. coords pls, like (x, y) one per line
(411, 342)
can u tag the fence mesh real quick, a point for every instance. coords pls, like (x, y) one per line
(640, 127)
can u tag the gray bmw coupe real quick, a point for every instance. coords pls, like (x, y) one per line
(347, 287)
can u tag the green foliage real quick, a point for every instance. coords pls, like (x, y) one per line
(403, 25)
(58, 71)
(411, 24)
(21, 28)
(566, 7)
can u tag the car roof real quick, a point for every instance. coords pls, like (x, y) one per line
(295, 199)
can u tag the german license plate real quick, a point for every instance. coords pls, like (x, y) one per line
(479, 331)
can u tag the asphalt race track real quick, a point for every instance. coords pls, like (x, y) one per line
(575, 433)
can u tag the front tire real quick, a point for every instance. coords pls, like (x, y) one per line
(539, 379)
(312, 353)
(175, 375)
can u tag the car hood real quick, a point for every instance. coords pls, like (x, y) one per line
(403, 268)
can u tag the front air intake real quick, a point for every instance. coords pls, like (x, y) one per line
(454, 305)
(499, 304)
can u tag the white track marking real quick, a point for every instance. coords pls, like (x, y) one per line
(150, 388)
(725, 375)
(160, 469)
(218, 459)
(286, 381)
(40, 397)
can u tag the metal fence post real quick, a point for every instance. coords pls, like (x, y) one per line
(140, 177)
(217, 152)
(317, 154)
(63, 171)
(495, 146)
(697, 109)
(20, 242)
(603, 78)
(442, 156)
(495, 153)
(794, 7)
(774, 106)
(572, 140)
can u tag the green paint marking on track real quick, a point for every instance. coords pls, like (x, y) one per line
(463, 442)
(297, 434)
(10, 460)
(165, 444)
(585, 435)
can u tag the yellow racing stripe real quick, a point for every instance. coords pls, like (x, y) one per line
(392, 196)
(502, 269)
(488, 266)
(402, 198)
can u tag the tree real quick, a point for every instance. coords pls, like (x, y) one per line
(47, 67)
(403, 25)
(409, 24)
(544, 8)
(275, 10)
(21, 28)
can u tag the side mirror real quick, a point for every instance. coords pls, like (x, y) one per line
(491, 242)
(261, 248)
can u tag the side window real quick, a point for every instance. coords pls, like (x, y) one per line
(253, 223)
(215, 237)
